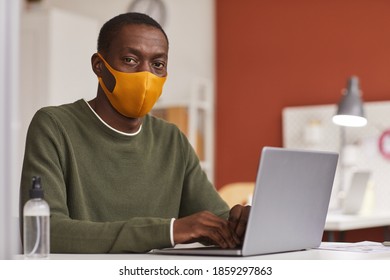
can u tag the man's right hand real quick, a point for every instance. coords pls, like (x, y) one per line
(205, 227)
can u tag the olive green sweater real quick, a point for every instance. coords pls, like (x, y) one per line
(110, 192)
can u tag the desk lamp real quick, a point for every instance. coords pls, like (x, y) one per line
(350, 109)
(350, 113)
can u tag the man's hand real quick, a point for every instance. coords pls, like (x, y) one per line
(238, 219)
(206, 227)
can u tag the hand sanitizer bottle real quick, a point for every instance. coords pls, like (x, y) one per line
(36, 223)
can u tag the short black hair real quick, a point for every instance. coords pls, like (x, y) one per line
(110, 29)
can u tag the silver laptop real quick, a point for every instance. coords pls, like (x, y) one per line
(353, 200)
(289, 206)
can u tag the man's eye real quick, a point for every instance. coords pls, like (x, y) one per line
(159, 65)
(129, 60)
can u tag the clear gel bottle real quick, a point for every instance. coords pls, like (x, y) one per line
(36, 223)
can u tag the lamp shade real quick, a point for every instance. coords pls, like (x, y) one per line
(350, 109)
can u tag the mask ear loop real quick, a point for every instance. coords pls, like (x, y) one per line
(101, 82)
(106, 63)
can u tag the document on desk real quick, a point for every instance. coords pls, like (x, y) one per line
(360, 247)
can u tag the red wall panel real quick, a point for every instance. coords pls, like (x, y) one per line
(273, 54)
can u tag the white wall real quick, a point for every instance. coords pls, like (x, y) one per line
(189, 26)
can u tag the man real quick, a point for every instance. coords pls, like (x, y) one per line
(116, 178)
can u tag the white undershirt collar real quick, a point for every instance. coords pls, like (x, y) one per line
(106, 124)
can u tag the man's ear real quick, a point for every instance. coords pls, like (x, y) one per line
(97, 64)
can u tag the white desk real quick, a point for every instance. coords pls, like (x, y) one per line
(342, 222)
(308, 264)
(313, 254)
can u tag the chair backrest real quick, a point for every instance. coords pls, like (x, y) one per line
(237, 193)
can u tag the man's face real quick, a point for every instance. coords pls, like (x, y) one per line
(137, 48)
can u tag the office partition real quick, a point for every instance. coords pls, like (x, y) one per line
(9, 181)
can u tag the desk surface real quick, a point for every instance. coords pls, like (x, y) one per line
(313, 254)
(342, 222)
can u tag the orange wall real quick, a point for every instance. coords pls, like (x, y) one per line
(277, 53)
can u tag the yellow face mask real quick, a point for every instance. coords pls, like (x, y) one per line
(134, 94)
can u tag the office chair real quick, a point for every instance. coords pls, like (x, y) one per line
(237, 193)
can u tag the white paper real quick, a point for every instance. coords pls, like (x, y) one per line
(360, 247)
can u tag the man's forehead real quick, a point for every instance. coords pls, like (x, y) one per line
(138, 37)
(141, 32)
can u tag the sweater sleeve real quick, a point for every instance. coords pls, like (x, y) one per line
(45, 156)
(199, 194)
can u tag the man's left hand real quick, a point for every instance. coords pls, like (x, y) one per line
(238, 219)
